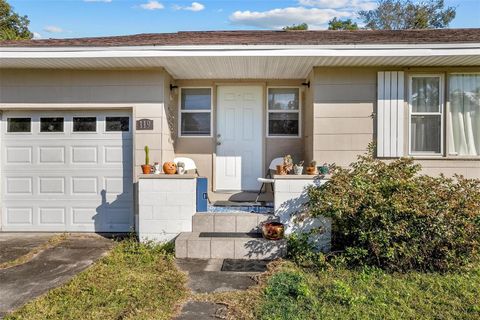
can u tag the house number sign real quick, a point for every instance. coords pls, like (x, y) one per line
(144, 124)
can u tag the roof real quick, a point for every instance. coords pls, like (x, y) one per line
(323, 37)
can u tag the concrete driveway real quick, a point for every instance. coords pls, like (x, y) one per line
(48, 269)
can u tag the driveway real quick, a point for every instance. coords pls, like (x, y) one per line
(48, 269)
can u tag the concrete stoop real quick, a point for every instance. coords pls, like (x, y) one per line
(228, 236)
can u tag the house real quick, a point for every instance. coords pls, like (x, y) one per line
(76, 114)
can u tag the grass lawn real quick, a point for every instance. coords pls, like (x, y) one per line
(135, 281)
(291, 293)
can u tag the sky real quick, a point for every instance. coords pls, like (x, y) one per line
(90, 18)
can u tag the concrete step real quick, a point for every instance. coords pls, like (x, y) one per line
(191, 245)
(229, 222)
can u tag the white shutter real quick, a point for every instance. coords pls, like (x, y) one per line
(390, 105)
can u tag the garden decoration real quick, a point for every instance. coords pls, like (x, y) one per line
(273, 230)
(298, 168)
(156, 165)
(324, 169)
(146, 168)
(180, 167)
(169, 167)
(288, 163)
(312, 168)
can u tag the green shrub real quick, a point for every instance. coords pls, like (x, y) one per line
(386, 214)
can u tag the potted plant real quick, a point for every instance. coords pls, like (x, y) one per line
(298, 168)
(325, 169)
(273, 230)
(146, 168)
(180, 167)
(312, 168)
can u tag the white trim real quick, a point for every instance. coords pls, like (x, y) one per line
(179, 120)
(299, 111)
(441, 113)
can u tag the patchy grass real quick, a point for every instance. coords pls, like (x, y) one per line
(52, 242)
(135, 281)
(368, 293)
(291, 293)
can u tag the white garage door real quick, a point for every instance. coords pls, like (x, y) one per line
(66, 171)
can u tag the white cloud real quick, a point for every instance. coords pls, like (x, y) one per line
(340, 4)
(37, 36)
(52, 29)
(195, 6)
(152, 5)
(277, 18)
(97, 1)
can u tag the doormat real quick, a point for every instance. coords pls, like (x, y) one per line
(254, 235)
(236, 265)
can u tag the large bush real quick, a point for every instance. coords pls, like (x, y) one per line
(388, 215)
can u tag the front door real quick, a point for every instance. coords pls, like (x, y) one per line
(239, 138)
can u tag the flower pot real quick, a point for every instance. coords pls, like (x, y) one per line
(324, 169)
(298, 170)
(146, 169)
(273, 230)
(311, 171)
(281, 170)
(169, 168)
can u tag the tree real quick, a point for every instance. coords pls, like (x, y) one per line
(405, 14)
(302, 26)
(339, 24)
(12, 25)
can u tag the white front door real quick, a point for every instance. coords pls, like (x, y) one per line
(239, 138)
(66, 171)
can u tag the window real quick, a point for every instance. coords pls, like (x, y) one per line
(464, 115)
(84, 124)
(283, 112)
(195, 112)
(114, 124)
(19, 125)
(51, 124)
(426, 110)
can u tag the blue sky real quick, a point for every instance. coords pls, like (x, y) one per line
(83, 18)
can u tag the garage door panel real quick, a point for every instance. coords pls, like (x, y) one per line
(18, 155)
(67, 181)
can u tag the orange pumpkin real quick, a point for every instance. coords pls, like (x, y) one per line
(169, 167)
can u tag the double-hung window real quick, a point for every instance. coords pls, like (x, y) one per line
(463, 119)
(283, 112)
(426, 114)
(195, 112)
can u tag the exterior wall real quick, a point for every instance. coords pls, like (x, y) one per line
(140, 91)
(290, 199)
(344, 123)
(308, 121)
(202, 149)
(166, 207)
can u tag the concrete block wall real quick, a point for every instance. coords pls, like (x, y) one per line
(165, 207)
(290, 199)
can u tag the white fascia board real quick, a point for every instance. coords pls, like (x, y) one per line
(277, 52)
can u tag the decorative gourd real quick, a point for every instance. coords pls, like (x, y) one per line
(169, 167)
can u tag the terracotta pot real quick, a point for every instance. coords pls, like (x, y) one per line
(146, 169)
(170, 168)
(273, 230)
(311, 171)
(281, 170)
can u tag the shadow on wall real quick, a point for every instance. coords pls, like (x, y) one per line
(293, 213)
(116, 213)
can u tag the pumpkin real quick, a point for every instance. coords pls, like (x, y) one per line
(169, 167)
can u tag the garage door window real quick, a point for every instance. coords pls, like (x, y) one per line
(19, 125)
(117, 124)
(84, 124)
(51, 124)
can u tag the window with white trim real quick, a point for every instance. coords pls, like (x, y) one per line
(283, 112)
(195, 112)
(426, 114)
(463, 119)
